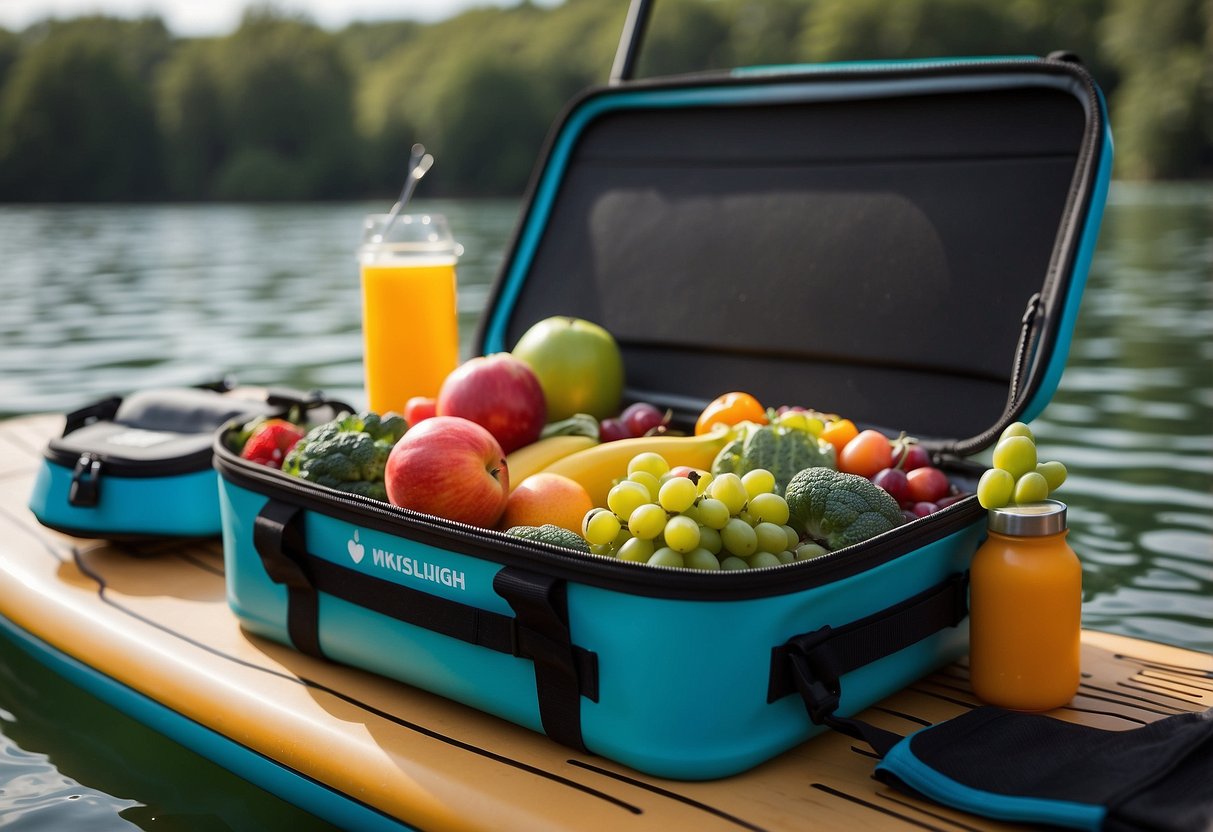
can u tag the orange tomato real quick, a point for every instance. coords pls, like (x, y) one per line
(839, 432)
(869, 453)
(731, 409)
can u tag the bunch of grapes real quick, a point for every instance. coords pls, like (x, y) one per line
(1017, 477)
(694, 520)
(639, 419)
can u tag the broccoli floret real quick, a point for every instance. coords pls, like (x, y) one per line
(348, 453)
(839, 509)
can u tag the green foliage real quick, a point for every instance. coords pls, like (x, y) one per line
(76, 124)
(99, 108)
(1164, 54)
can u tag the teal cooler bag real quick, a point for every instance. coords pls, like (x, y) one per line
(140, 465)
(904, 245)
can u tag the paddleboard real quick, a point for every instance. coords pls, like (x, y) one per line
(146, 627)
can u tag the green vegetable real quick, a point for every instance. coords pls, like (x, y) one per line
(839, 509)
(348, 453)
(549, 533)
(781, 450)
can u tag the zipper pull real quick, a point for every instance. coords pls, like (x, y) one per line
(85, 491)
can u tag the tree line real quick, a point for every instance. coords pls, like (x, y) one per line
(110, 109)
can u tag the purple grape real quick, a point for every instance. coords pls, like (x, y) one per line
(612, 429)
(642, 417)
(894, 481)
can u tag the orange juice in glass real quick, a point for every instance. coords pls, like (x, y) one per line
(410, 322)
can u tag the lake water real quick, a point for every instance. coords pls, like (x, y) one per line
(99, 300)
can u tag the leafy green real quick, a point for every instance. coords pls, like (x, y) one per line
(838, 509)
(549, 533)
(781, 450)
(348, 453)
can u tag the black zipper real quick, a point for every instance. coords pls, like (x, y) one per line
(596, 570)
(119, 466)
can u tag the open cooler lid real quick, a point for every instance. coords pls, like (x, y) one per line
(859, 239)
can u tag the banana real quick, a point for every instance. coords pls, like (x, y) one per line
(533, 458)
(598, 467)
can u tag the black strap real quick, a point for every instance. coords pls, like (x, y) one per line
(564, 672)
(278, 539)
(814, 663)
(99, 410)
(543, 636)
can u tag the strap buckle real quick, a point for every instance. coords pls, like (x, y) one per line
(816, 673)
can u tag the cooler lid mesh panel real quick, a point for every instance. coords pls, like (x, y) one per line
(868, 257)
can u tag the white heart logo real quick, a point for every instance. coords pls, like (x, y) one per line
(357, 550)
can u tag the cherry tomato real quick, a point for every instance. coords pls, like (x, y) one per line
(839, 432)
(731, 409)
(869, 453)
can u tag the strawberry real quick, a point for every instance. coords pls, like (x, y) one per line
(270, 442)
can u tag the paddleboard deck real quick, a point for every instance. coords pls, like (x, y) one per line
(146, 626)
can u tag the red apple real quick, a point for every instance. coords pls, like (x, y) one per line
(449, 467)
(419, 408)
(500, 393)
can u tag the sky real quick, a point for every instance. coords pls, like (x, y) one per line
(219, 17)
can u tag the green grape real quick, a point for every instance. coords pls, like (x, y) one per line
(761, 559)
(768, 508)
(712, 513)
(995, 488)
(681, 534)
(815, 426)
(623, 537)
(739, 537)
(786, 556)
(1054, 473)
(677, 495)
(1016, 454)
(810, 550)
(733, 564)
(604, 549)
(650, 482)
(1031, 488)
(667, 557)
(771, 538)
(758, 481)
(701, 559)
(600, 526)
(704, 479)
(793, 538)
(1018, 429)
(709, 539)
(647, 521)
(729, 489)
(625, 497)
(637, 550)
(745, 515)
(795, 420)
(654, 463)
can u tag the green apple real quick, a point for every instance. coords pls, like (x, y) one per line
(578, 364)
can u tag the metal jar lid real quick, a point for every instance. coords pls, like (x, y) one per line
(1029, 520)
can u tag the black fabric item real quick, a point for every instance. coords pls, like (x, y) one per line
(541, 606)
(278, 539)
(1158, 777)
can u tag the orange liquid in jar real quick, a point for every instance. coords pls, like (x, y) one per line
(410, 330)
(1026, 619)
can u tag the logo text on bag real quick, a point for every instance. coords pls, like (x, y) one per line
(419, 569)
